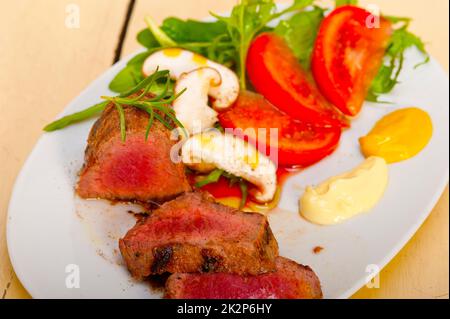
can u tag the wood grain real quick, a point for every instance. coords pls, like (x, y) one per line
(45, 64)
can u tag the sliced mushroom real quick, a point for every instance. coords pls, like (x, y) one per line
(179, 61)
(191, 108)
(214, 149)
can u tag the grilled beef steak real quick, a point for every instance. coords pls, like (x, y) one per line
(136, 169)
(289, 281)
(193, 234)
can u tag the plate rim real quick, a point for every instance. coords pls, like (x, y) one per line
(113, 69)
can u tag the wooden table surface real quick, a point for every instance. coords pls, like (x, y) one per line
(45, 64)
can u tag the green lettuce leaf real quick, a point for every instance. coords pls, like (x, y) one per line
(131, 74)
(147, 39)
(300, 32)
(191, 31)
(247, 19)
(339, 3)
(401, 40)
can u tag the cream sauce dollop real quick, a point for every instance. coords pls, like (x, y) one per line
(344, 196)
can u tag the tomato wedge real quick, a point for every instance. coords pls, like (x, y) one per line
(299, 144)
(275, 73)
(348, 53)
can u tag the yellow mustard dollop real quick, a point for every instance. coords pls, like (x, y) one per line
(344, 196)
(399, 135)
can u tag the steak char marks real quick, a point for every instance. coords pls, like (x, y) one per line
(134, 170)
(289, 281)
(194, 234)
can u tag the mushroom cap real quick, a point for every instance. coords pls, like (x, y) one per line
(178, 61)
(235, 156)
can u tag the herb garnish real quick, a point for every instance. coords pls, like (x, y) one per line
(249, 18)
(401, 40)
(227, 40)
(157, 106)
(339, 3)
(300, 32)
(212, 177)
(215, 175)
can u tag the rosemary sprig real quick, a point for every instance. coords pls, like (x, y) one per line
(146, 82)
(123, 129)
(149, 125)
(163, 121)
(75, 117)
(158, 107)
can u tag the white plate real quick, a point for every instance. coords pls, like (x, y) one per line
(52, 235)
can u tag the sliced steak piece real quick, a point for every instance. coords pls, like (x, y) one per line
(193, 234)
(289, 281)
(134, 170)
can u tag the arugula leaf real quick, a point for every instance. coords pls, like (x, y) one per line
(209, 39)
(147, 39)
(131, 74)
(299, 5)
(163, 96)
(126, 78)
(246, 19)
(300, 33)
(163, 39)
(225, 41)
(388, 75)
(385, 80)
(212, 177)
(243, 186)
(191, 31)
(249, 18)
(397, 19)
(339, 3)
(140, 57)
(244, 193)
(402, 39)
(220, 50)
